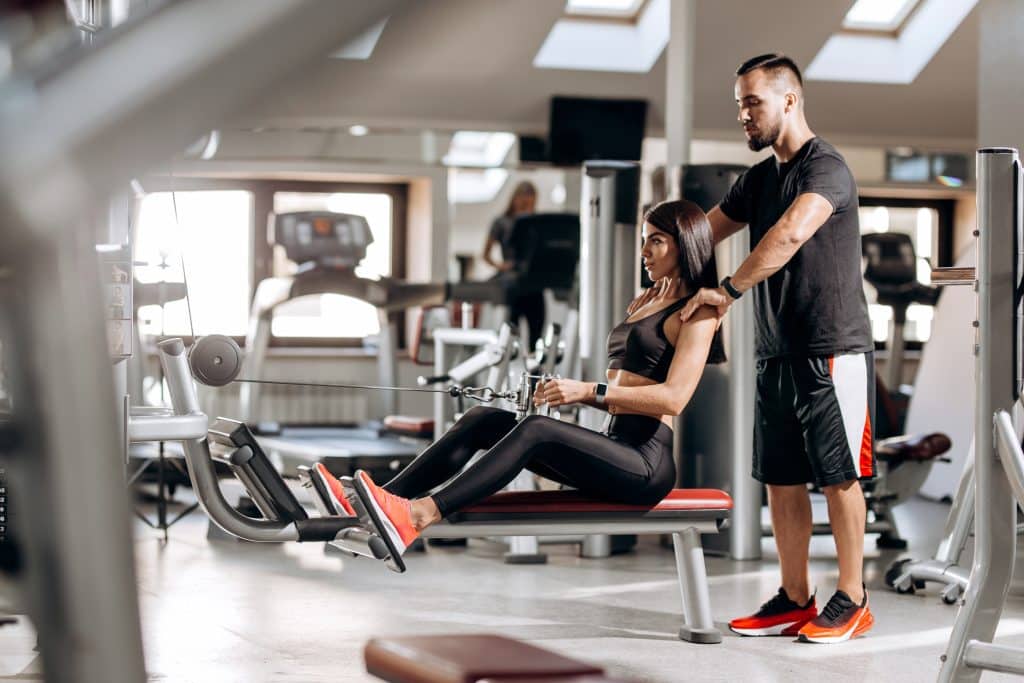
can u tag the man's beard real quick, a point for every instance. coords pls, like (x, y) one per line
(757, 141)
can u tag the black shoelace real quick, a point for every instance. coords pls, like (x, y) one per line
(780, 602)
(837, 604)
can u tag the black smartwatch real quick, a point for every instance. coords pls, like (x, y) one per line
(599, 393)
(726, 284)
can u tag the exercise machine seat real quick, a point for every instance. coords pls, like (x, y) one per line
(914, 447)
(472, 658)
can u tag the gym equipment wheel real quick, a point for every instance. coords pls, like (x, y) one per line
(893, 575)
(951, 594)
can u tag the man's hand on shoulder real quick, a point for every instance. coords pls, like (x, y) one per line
(717, 298)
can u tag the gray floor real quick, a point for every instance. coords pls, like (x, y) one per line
(230, 611)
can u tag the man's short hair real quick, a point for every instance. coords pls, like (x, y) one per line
(774, 63)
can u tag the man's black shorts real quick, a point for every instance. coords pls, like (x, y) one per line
(813, 418)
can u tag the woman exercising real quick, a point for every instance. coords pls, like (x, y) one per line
(654, 364)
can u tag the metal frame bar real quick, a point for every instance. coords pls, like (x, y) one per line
(541, 527)
(995, 520)
(698, 625)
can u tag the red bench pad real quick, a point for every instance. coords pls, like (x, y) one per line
(415, 426)
(561, 502)
(468, 659)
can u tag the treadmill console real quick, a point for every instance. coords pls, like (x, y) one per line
(322, 239)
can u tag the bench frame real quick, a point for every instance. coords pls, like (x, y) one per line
(686, 529)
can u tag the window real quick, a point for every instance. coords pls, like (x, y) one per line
(887, 41)
(624, 36)
(222, 232)
(210, 234)
(878, 15)
(479, 149)
(618, 9)
(930, 227)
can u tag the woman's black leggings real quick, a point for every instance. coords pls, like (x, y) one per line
(631, 464)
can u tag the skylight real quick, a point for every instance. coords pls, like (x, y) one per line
(479, 149)
(872, 57)
(878, 15)
(592, 43)
(361, 47)
(626, 9)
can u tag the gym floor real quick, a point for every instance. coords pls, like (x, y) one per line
(231, 611)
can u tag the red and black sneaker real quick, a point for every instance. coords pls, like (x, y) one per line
(841, 620)
(780, 616)
(330, 491)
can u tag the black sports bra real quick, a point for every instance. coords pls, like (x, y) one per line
(641, 346)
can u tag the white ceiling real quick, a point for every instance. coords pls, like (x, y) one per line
(452, 64)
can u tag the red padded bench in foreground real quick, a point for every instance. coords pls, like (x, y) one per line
(684, 513)
(472, 659)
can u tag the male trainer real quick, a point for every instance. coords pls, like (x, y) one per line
(815, 365)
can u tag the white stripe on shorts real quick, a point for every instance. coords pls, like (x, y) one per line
(850, 379)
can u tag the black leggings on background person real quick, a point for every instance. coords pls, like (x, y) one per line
(531, 307)
(631, 464)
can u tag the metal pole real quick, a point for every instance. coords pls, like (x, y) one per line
(72, 515)
(995, 529)
(745, 533)
(679, 82)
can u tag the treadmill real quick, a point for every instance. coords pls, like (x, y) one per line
(328, 246)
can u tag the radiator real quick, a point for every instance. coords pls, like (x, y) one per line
(291, 405)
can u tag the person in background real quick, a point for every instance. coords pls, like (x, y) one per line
(529, 306)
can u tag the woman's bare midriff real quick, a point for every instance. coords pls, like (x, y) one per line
(625, 378)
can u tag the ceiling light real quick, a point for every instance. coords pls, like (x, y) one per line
(358, 130)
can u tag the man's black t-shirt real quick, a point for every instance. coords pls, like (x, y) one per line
(814, 305)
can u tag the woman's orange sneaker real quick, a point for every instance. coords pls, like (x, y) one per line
(387, 514)
(329, 483)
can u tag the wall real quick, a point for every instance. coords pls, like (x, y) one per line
(1000, 94)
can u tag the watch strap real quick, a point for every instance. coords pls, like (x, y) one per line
(727, 285)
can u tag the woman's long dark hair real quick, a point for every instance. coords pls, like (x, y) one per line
(689, 224)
